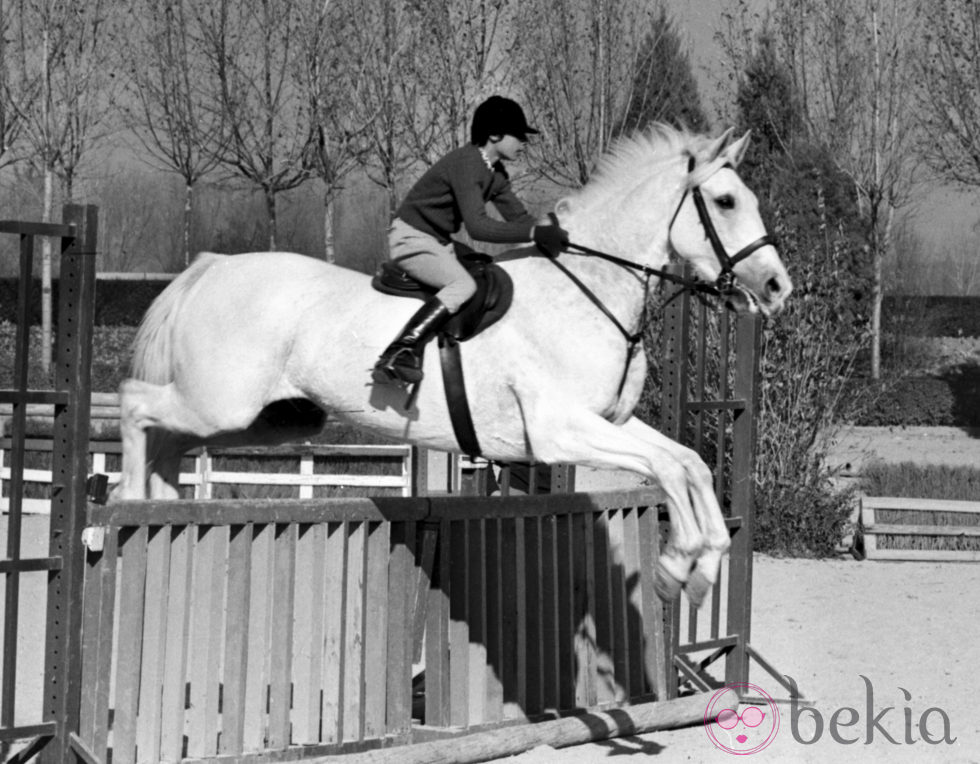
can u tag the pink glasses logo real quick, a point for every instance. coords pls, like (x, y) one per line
(743, 732)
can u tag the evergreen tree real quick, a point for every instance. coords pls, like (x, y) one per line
(664, 88)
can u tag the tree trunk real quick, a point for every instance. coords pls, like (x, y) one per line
(46, 312)
(188, 211)
(329, 253)
(270, 206)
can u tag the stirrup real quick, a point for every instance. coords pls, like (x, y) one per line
(387, 371)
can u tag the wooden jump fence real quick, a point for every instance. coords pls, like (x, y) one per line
(229, 628)
(920, 529)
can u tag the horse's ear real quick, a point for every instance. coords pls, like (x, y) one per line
(736, 152)
(715, 149)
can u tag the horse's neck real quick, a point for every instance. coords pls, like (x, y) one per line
(619, 287)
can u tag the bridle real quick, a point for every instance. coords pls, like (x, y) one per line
(723, 286)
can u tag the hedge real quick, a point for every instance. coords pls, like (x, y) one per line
(117, 303)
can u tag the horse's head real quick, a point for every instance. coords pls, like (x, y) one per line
(718, 230)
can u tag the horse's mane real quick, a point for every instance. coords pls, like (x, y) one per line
(631, 160)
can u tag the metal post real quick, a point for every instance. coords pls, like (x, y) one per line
(748, 342)
(76, 307)
(677, 327)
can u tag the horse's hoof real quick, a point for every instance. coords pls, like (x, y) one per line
(697, 587)
(665, 584)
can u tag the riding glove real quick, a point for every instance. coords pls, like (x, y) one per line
(550, 239)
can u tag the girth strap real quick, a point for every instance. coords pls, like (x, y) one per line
(459, 406)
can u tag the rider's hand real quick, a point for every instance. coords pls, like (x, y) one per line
(550, 238)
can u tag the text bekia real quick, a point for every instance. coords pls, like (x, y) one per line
(844, 723)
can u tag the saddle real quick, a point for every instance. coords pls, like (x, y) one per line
(494, 292)
(490, 302)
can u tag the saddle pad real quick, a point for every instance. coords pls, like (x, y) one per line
(493, 296)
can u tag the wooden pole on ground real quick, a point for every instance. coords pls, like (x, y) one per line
(560, 733)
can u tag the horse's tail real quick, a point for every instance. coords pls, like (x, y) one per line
(153, 346)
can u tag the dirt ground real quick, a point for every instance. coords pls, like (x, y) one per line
(908, 627)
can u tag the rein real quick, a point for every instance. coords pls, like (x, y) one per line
(724, 284)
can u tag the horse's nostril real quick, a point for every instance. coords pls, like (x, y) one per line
(774, 287)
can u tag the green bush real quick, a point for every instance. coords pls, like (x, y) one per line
(950, 400)
(921, 481)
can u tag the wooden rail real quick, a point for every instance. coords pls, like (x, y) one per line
(940, 530)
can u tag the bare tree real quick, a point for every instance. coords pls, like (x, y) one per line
(333, 84)
(19, 85)
(851, 64)
(251, 51)
(948, 71)
(168, 112)
(69, 44)
(380, 46)
(578, 70)
(461, 59)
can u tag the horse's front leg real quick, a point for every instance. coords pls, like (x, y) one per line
(565, 433)
(703, 502)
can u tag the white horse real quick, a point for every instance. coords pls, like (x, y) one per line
(234, 337)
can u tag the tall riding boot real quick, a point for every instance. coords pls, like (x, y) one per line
(402, 360)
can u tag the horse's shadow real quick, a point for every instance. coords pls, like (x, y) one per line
(538, 616)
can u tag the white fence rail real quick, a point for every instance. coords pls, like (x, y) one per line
(204, 477)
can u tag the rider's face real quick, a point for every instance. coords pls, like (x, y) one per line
(510, 146)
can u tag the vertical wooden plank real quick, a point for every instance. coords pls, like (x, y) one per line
(437, 631)
(459, 635)
(207, 634)
(494, 668)
(376, 629)
(97, 644)
(153, 668)
(602, 611)
(513, 618)
(132, 588)
(237, 619)
(584, 593)
(476, 620)
(550, 659)
(401, 591)
(632, 570)
(566, 612)
(177, 626)
(257, 667)
(308, 634)
(619, 604)
(281, 634)
(335, 607)
(654, 654)
(352, 711)
(533, 701)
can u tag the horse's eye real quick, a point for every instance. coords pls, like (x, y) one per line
(726, 202)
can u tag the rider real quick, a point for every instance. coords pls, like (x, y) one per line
(454, 192)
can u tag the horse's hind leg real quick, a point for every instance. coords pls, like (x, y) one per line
(564, 434)
(141, 406)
